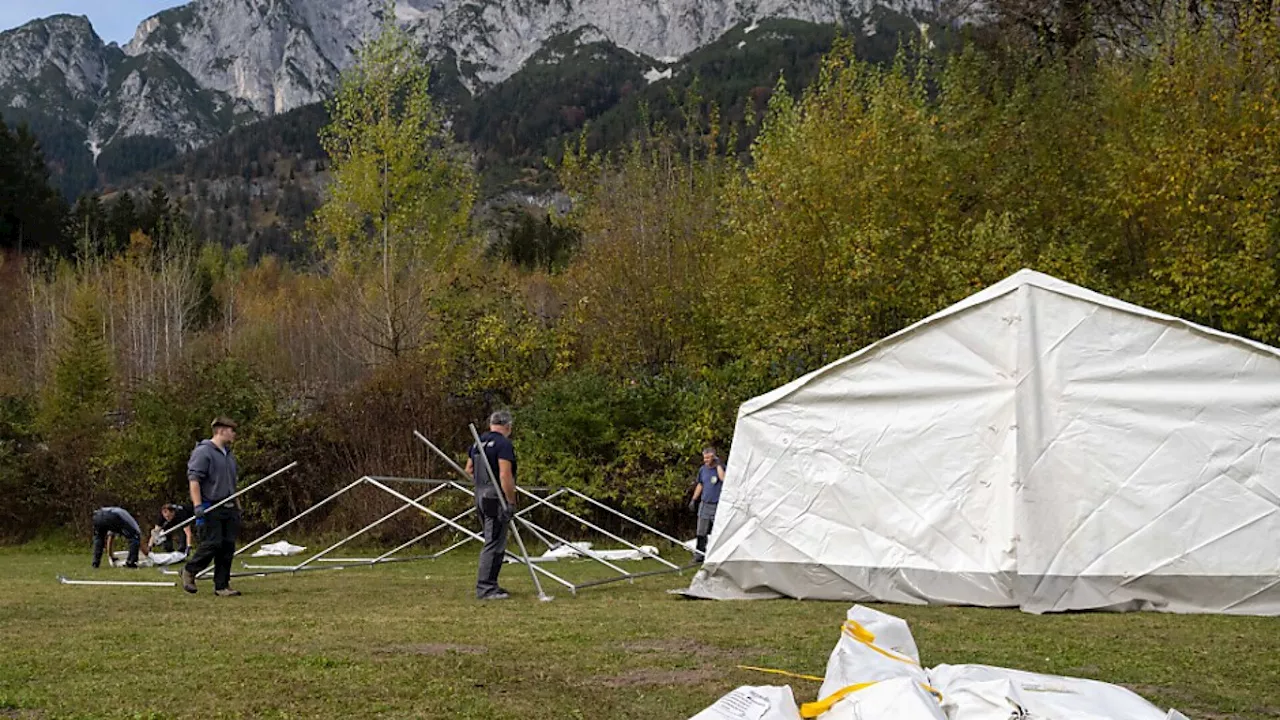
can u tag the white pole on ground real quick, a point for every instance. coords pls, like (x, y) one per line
(483, 461)
(116, 583)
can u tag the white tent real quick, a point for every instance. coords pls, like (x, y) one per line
(1036, 445)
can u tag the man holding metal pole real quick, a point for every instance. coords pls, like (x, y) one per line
(212, 476)
(494, 513)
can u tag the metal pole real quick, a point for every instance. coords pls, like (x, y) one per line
(458, 468)
(368, 527)
(418, 481)
(228, 499)
(529, 524)
(472, 535)
(299, 516)
(601, 530)
(115, 583)
(628, 518)
(442, 454)
(587, 552)
(423, 536)
(532, 527)
(651, 573)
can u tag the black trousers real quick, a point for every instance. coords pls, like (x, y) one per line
(495, 544)
(217, 545)
(103, 523)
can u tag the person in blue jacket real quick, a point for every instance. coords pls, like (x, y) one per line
(706, 497)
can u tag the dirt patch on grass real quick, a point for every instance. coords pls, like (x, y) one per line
(653, 677)
(16, 714)
(433, 649)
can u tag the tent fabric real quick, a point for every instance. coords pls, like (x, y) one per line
(284, 548)
(874, 683)
(1037, 445)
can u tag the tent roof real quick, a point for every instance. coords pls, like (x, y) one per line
(1024, 277)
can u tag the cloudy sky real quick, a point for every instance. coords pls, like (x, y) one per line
(113, 19)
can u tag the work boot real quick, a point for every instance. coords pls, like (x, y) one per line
(188, 581)
(227, 592)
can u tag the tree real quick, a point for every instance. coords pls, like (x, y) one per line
(73, 417)
(31, 211)
(123, 220)
(158, 210)
(397, 211)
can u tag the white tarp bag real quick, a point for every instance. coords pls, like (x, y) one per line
(155, 559)
(873, 646)
(897, 699)
(753, 703)
(980, 692)
(279, 549)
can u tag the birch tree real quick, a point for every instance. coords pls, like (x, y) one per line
(397, 212)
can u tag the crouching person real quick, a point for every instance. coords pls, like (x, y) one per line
(171, 516)
(109, 522)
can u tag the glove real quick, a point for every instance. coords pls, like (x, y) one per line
(199, 510)
(693, 506)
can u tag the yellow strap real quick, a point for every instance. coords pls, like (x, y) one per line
(787, 673)
(814, 709)
(864, 636)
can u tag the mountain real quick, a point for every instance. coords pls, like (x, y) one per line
(258, 184)
(193, 73)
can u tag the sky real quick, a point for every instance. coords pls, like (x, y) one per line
(113, 19)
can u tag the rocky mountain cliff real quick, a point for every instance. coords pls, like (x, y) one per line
(193, 73)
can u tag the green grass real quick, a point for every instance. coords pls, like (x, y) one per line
(406, 641)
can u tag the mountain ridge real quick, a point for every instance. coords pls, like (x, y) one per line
(193, 73)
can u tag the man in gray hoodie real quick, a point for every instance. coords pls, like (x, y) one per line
(212, 475)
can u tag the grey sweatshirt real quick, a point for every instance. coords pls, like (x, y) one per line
(215, 470)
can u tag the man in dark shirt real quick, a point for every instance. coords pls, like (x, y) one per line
(172, 515)
(500, 455)
(212, 475)
(710, 483)
(109, 522)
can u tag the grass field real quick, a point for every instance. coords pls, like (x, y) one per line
(406, 641)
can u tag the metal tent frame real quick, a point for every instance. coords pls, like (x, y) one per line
(322, 561)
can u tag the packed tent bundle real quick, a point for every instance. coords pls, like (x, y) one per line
(1037, 445)
(875, 674)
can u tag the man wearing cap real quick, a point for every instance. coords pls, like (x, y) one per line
(211, 473)
(500, 455)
